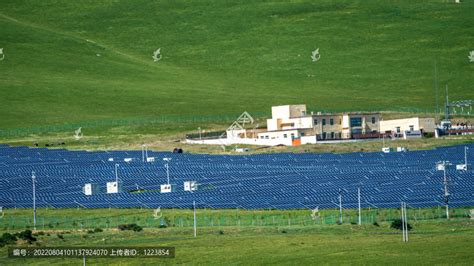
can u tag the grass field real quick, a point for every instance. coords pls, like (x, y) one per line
(431, 241)
(72, 61)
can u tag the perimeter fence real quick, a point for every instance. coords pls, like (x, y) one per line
(206, 219)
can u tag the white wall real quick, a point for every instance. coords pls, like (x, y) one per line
(282, 111)
(404, 124)
(249, 141)
(288, 111)
(308, 140)
(278, 134)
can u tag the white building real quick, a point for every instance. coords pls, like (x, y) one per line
(292, 125)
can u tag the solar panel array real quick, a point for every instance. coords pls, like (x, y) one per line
(262, 181)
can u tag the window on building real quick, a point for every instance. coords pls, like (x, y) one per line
(292, 135)
(324, 135)
(266, 136)
(331, 121)
(332, 135)
(412, 128)
(340, 121)
(302, 134)
(324, 121)
(261, 137)
(285, 136)
(398, 129)
(315, 122)
(373, 119)
(356, 121)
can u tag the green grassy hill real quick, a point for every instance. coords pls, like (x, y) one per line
(69, 61)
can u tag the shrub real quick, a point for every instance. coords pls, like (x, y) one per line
(7, 239)
(133, 227)
(397, 224)
(60, 236)
(376, 224)
(90, 231)
(221, 232)
(26, 235)
(98, 230)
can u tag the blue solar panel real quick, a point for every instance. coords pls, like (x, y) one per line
(281, 181)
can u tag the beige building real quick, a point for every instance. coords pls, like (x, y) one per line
(292, 125)
(399, 126)
(293, 122)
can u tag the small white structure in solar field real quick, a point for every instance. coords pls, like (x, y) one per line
(315, 56)
(471, 56)
(401, 149)
(113, 187)
(127, 160)
(440, 166)
(386, 150)
(110, 159)
(157, 55)
(190, 186)
(166, 188)
(150, 159)
(90, 189)
(2, 55)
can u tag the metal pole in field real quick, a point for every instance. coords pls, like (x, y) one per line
(195, 224)
(146, 152)
(446, 193)
(143, 153)
(406, 221)
(436, 90)
(403, 221)
(33, 177)
(465, 156)
(358, 196)
(167, 169)
(340, 206)
(116, 173)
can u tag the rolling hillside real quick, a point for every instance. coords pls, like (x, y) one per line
(69, 61)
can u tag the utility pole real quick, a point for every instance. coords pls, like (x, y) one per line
(404, 219)
(446, 193)
(195, 222)
(167, 169)
(441, 166)
(446, 108)
(465, 156)
(340, 206)
(33, 177)
(116, 173)
(436, 89)
(358, 197)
